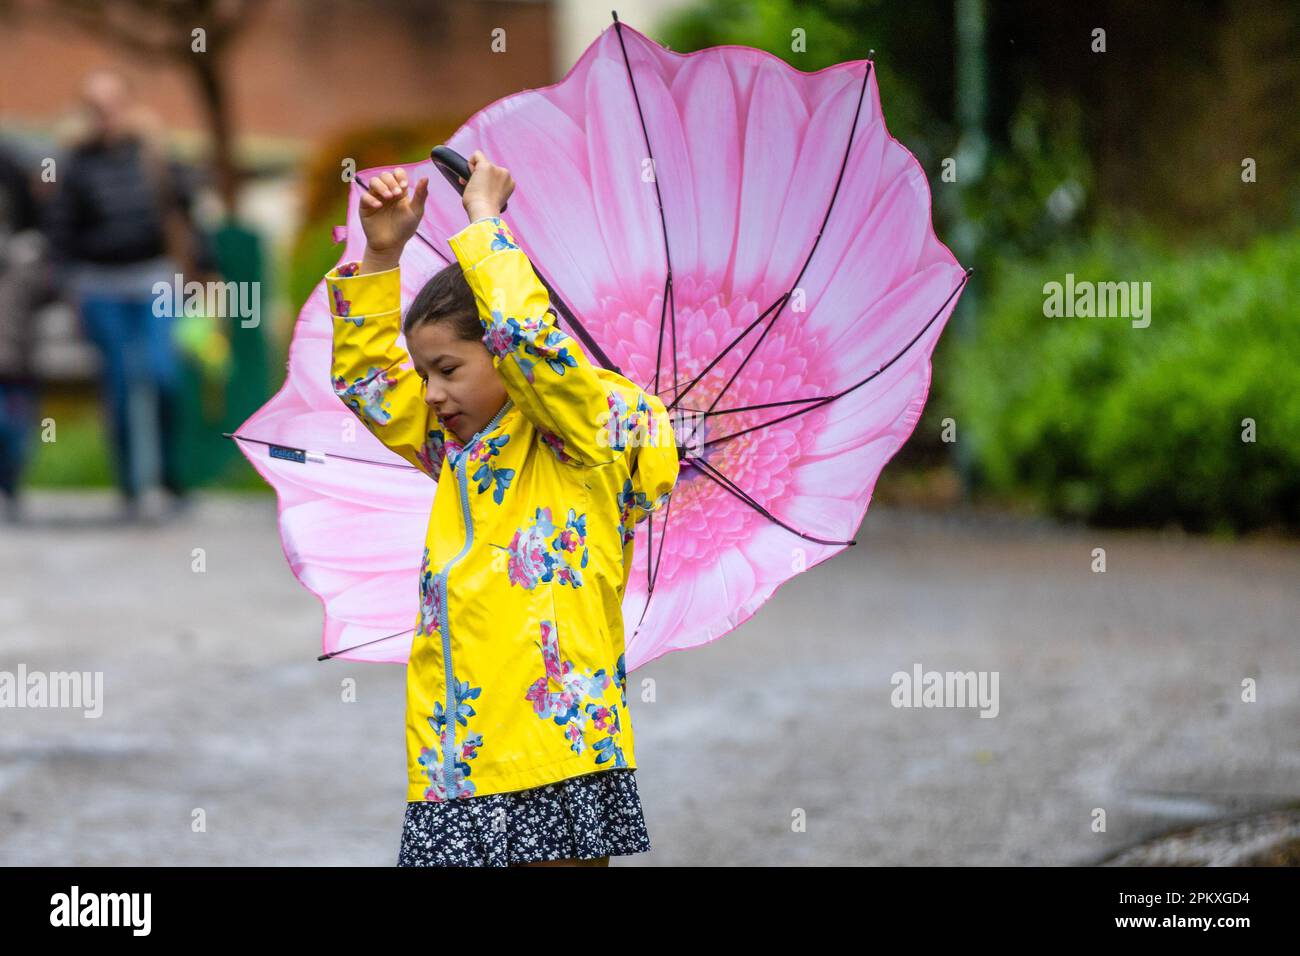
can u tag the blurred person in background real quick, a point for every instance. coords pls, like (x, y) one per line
(119, 222)
(22, 284)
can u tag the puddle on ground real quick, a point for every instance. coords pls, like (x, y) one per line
(1271, 838)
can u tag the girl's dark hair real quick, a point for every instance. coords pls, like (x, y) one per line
(446, 298)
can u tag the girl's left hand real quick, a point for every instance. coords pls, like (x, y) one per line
(389, 215)
(488, 188)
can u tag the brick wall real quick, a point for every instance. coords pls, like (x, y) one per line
(302, 69)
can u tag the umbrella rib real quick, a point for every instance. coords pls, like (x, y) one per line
(329, 454)
(844, 162)
(669, 306)
(672, 388)
(663, 536)
(727, 484)
(331, 654)
(659, 349)
(788, 401)
(830, 398)
(723, 354)
(651, 578)
(649, 563)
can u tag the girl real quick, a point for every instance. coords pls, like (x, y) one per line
(519, 746)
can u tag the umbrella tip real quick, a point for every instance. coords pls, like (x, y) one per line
(614, 14)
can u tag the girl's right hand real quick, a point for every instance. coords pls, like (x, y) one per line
(488, 188)
(389, 216)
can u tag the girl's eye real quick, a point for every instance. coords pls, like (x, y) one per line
(448, 371)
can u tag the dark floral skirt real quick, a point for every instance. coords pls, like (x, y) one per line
(582, 818)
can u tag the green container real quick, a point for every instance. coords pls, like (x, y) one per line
(217, 400)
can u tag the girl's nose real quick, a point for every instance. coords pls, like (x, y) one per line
(434, 396)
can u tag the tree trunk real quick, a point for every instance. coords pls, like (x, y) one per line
(207, 74)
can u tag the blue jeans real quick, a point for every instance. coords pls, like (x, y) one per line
(141, 388)
(19, 404)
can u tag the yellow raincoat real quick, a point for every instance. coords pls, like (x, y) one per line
(516, 676)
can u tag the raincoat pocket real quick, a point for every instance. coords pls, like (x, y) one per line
(555, 676)
(547, 670)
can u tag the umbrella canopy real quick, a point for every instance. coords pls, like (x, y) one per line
(743, 239)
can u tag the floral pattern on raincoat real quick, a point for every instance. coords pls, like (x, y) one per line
(530, 539)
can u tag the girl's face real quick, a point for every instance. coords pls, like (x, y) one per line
(461, 385)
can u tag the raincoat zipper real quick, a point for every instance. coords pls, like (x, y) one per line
(449, 740)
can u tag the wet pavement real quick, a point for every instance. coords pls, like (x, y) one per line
(1120, 720)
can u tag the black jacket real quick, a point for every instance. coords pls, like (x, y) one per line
(18, 209)
(107, 209)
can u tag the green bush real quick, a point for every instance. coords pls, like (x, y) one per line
(1115, 424)
(79, 456)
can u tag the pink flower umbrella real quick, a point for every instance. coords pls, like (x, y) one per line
(744, 239)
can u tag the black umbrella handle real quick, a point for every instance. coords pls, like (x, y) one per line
(453, 167)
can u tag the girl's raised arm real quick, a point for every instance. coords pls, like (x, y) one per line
(370, 374)
(545, 371)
